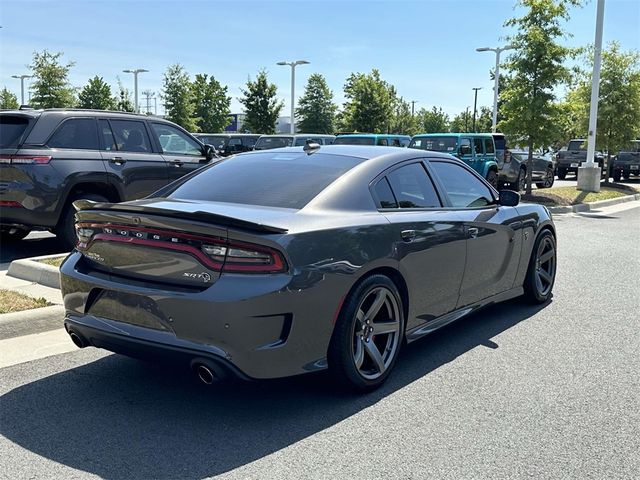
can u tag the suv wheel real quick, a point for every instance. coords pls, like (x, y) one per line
(492, 178)
(521, 181)
(617, 174)
(549, 179)
(66, 230)
(13, 234)
(562, 173)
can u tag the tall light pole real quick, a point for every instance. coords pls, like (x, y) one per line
(293, 89)
(21, 78)
(496, 82)
(589, 173)
(413, 104)
(475, 103)
(135, 72)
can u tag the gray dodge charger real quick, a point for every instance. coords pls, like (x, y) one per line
(281, 262)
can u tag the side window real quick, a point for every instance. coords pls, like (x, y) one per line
(108, 140)
(383, 142)
(395, 142)
(488, 146)
(465, 147)
(384, 194)
(249, 141)
(176, 141)
(462, 187)
(76, 133)
(131, 136)
(477, 146)
(235, 144)
(412, 187)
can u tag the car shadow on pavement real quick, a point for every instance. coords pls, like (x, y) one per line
(119, 418)
(30, 247)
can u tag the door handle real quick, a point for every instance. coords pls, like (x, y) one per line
(408, 235)
(177, 163)
(472, 232)
(118, 160)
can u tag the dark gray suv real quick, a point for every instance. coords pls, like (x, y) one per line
(50, 158)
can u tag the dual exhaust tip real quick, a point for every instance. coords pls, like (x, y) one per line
(205, 373)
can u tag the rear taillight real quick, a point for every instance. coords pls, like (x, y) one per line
(216, 253)
(25, 159)
(10, 203)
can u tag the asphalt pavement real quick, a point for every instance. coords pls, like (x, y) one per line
(513, 391)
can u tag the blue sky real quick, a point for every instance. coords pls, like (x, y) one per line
(425, 48)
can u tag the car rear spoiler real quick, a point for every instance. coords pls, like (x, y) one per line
(200, 216)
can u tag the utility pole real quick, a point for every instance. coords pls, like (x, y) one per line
(135, 72)
(475, 103)
(466, 120)
(21, 78)
(413, 103)
(293, 89)
(148, 95)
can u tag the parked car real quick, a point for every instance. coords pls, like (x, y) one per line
(570, 159)
(475, 149)
(50, 158)
(277, 263)
(229, 143)
(266, 142)
(383, 140)
(627, 162)
(543, 173)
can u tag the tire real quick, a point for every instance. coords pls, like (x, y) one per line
(521, 182)
(492, 178)
(617, 175)
(626, 175)
(66, 230)
(360, 360)
(541, 274)
(549, 179)
(13, 234)
(562, 173)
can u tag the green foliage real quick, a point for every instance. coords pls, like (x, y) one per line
(123, 102)
(178, 98)
(619, 100)
(316, 112)
(370, 103)
(484, 119)
(402, 122)
(462, 122)
(211, 104)
(262, 108)
(8, 100)
(432, 121)
(50, 87)
(96, 94)
(535, 69)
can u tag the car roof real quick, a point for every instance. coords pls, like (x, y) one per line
(373, 135)
(449, 134)
(224, 134)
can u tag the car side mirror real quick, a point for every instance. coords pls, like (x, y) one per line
(508, 198)
(209, 152)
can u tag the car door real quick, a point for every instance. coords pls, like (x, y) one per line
(129, 157)
(493, 232)
(181, 151)
(429, 243)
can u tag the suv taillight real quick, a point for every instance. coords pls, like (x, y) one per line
(25, 159)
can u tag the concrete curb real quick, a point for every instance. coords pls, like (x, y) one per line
(588, 207)
(34, 271)
(16, 324)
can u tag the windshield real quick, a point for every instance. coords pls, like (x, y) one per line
(577, 145)
(271, 179)
(634, 146)
(354, 141)
(216, 141)
(266, 143)
(11, 129)
(436, 144)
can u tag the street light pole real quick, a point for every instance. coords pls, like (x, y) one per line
(496, 82)
(413, 104)
(293, 89)
(135, 85)
(21, 78)
(475, 103)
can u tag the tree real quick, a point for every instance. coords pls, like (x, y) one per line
(433, 121)
(536, 68)
(484, 119)
(619, 101)
(96, 94)
(462, 122)
(403, 122)
(50, 87)
(370, 103)
(178, 98)
(8, 100)
(211, 104)
(122, 101)
(316, 112)
(262, 108)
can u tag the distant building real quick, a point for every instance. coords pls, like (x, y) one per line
(283, 124)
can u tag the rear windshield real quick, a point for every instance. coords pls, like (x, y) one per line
(217, 142)
(266, 143)
(577, 145)
(12, 127)
(354, 141)
(270, 179)
(436, 144)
